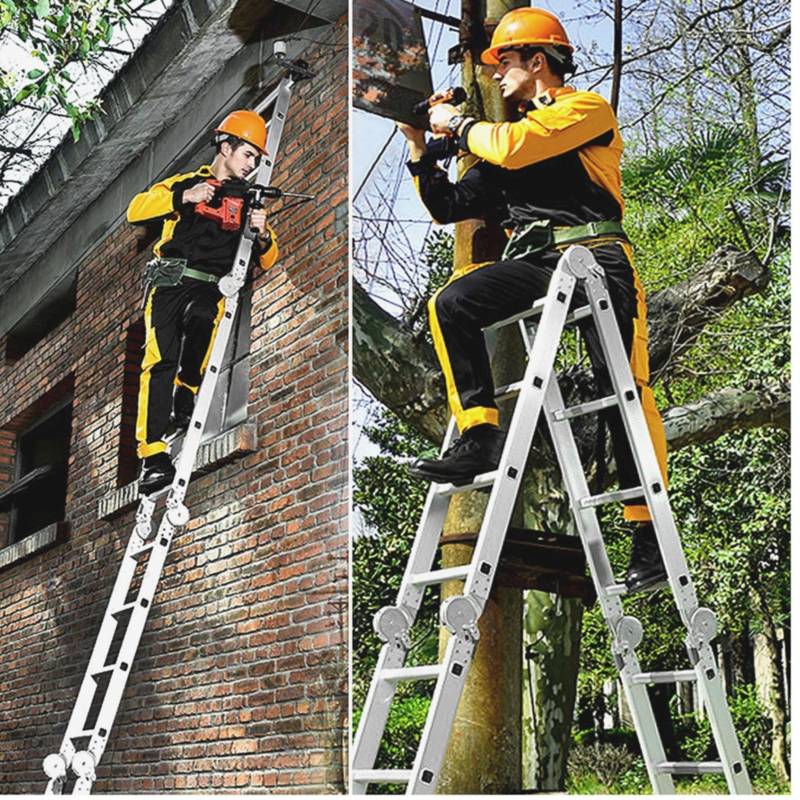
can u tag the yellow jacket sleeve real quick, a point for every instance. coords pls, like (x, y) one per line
(567, 124)
(157, 201)
(270, 255)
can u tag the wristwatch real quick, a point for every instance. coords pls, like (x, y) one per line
(454, 124)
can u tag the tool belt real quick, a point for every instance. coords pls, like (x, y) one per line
(171, 271)
(541, 235)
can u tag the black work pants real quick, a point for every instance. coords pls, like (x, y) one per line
(487, 294)
(180, 323)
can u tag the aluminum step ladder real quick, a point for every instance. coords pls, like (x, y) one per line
(538, 392)
(137, 580)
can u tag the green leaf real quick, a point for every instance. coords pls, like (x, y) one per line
(42, 8)
(35, 73)
(24, 92)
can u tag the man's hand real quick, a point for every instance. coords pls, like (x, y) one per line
(201, 193)
(440, 115)
(258, 221)
(415, 138)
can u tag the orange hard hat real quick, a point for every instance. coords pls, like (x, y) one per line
(246, 125)
(522, 26)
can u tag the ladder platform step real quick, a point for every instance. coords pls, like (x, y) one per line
(382, 775)
(612, 497)
(674, 676)
(483, 481)
(689, 767)
(440, 576)
(423, 673)
(586, 408)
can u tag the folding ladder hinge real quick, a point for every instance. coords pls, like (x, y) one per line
(702, 627)
(460, 615)
(392, 624)
(627, 637)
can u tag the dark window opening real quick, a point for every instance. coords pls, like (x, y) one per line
(127, 463)
(55, 307)
(37, 497)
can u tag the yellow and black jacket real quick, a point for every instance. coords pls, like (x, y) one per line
(560, 163)
(184, 234)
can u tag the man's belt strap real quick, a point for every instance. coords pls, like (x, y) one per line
(591, 230)
(200, 276)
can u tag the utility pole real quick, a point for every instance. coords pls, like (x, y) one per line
(485, 750)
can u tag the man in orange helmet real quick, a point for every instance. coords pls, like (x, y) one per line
(553, 177)
(199, 238)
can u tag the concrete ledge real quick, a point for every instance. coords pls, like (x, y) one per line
(34, 543)
(222, 449)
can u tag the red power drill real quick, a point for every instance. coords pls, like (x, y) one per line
(228, 213)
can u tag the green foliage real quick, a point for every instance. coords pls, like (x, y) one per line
(61, 34)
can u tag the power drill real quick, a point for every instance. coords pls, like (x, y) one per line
(228, 204)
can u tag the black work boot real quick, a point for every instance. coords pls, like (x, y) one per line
(182, 409)
(476, 451)
(646, 571)
(157, 472)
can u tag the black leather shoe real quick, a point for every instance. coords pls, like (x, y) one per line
(157, 472)
(477, 451)
(182, 409)
(646, 571)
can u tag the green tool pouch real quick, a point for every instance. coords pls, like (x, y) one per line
(533, 238)
(164, 271)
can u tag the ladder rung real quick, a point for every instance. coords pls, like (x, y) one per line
(123, 608)
(616, 589)
(579, 313)
(104, 670)
(689, 767)
(675, 676)
(382, 775)
(586, 408)
(480, 482)
(533, 311)
(440, 576)
(612, 497)
(502, 392)
(424, 673)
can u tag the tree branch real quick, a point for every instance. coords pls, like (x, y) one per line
(402, 372)
(729, 409)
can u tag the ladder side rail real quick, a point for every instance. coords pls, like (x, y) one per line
(713, 697)
(638, 434)
(569, 462)
(375, 713)
(98, 655)
(519, 438)
(669, 541)
(426, 539)
(441, 714)
(377, 705)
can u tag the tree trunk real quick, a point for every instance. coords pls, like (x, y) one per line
(775, 695)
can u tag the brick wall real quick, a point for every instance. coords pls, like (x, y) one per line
(240, 681)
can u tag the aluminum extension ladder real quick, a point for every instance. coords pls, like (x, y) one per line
(539, 392)
(126, 614)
